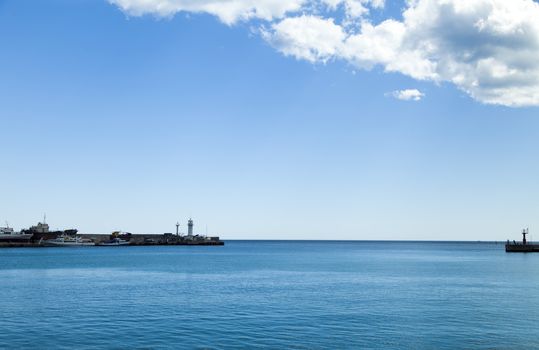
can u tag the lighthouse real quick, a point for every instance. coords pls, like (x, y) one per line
(190, 227)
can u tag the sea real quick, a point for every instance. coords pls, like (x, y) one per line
(271, 295)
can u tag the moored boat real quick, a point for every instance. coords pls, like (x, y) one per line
(67, 241)
(113, 243)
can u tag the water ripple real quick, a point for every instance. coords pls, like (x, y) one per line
(297, 295)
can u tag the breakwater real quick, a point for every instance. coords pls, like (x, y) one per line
(154, 239)
(130, 239)
(41, 236)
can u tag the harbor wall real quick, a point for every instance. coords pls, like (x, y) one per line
(134, 240)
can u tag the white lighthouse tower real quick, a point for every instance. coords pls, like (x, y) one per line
(190, 227)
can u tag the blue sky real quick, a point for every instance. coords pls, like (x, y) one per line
(112, 120)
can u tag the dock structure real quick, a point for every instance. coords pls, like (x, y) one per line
(40, 236)
(521, 247)
(156, 239)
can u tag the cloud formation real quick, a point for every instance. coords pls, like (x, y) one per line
(228, 11)
(487, 48)
(311, 38)
(408, 95)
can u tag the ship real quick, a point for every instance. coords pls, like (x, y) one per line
(41, 232)
(522, 247)
(67, 241)
(8, 234)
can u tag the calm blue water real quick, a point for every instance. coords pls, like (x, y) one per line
(302, 295)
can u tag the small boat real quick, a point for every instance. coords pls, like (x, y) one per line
(67, 241)
(113, 243)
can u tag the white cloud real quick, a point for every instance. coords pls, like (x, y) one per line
(228, 11)
(307, 37)
(355, 8)
(487, 48)
(408, 95)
